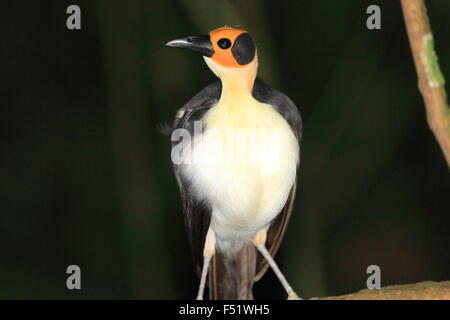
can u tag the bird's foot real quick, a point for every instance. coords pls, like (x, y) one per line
(293, 296)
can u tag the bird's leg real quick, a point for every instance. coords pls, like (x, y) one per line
(208, 252)
(259, 240)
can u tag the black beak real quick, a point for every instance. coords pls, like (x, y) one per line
(199, 44)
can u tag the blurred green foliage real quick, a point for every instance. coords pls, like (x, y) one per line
(87, 179)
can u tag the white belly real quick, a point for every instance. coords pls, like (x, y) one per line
(245, 172)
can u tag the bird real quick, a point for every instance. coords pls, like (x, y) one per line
(236, 154)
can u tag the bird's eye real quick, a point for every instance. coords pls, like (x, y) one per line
(224, 43)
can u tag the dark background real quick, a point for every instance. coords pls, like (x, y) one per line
(86, 177)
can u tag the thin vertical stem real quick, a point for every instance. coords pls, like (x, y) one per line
(431, 80)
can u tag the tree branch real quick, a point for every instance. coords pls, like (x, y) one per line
(426, 290)
(431, 80)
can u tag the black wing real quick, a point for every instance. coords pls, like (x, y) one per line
(266, 94)
(196, 214)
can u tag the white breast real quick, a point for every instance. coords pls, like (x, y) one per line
(243, 166)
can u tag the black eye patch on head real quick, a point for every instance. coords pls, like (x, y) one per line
(243, 49)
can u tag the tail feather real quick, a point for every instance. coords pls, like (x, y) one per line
(232, 279)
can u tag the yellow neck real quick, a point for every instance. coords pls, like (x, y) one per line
(237, 83)
(235, 89)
